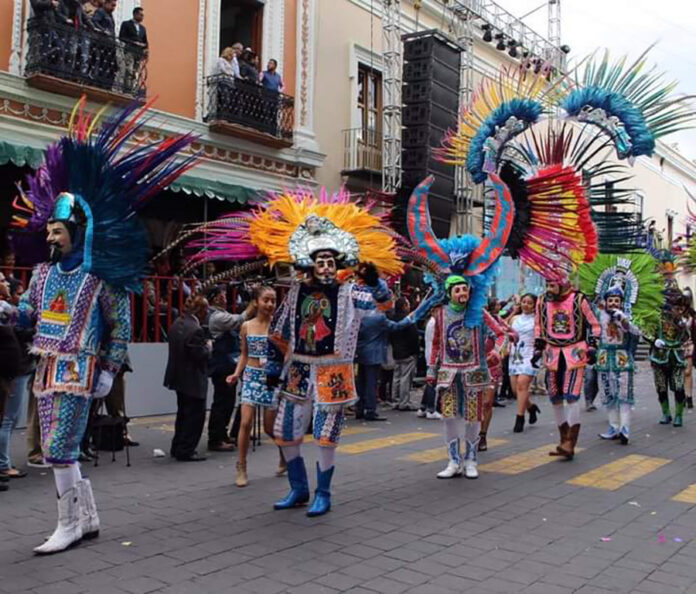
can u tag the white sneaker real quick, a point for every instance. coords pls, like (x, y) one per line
(42, 464)
(433, 416)
(421, 413)
(471, 469)
(453, 469)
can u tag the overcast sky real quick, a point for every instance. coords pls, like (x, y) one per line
(629, 26)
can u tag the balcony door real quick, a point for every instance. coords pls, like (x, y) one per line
(241, 21)
(370, 118)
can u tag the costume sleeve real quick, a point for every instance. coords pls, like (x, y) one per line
(279, 338)
(433, 361)
(499, 331)
(591, 317)
(197, 347)
(115, 307)
(429, 330)
(367, 299)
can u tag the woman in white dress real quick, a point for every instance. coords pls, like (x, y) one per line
(521, 371)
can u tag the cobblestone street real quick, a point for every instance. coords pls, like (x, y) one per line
(616, 519)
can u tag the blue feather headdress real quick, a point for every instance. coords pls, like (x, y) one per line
(108, 185)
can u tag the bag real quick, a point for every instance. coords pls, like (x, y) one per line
(109, 433)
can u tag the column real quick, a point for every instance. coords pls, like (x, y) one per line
(306, 72)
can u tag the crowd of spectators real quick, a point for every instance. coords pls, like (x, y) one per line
(76, 39)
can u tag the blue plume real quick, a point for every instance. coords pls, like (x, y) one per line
(614, 104)
(525, 110)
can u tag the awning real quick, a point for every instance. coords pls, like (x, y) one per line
(20, 155)
(190, 184)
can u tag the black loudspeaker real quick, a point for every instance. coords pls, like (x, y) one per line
(430, 96)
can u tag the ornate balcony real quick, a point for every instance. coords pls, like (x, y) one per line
(73, 62)
(242, 108)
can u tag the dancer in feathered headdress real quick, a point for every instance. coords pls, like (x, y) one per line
(87, 195)
(314, 333)
(630, 288)
(457, 367)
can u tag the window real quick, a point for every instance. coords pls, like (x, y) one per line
(369, 106)
(241, 21)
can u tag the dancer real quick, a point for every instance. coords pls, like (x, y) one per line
(563, 316)
(250, 368)
(690, 318)
(668, 358)
(521, 371)
(86, 195)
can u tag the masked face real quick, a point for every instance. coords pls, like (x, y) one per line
(325, 267)
(553, 289)
(58, 240)
(459, 294)
(613, 302)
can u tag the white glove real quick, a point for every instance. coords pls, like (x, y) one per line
(104, 383)
(618, 315)
(660, 344)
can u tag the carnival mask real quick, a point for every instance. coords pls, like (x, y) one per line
(58, 240)
(325, 267)
(459, 294)
(613, 302)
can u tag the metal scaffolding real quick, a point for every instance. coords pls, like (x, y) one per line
(391, 87)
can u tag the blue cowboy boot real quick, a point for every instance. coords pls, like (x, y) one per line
(624, 434)
(299, 487)
(322, 496)
(611, 433)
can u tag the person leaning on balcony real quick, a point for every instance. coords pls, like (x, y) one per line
(89, 7)
(134, 34)
(270, 78)
(45, 11)
(105, 56)
(225, 63)
(247, 70)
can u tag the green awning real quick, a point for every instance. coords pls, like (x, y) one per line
(190, 184)
(20, 155)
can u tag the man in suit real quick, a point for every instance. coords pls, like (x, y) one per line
(104, 52)
(187, 374)
(134, 36)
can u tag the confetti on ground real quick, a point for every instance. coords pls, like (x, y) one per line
(661, 538)
(653, 513)
(634, 503)
(126, 543)
(606, 539)
(677, 539)
(157, 453)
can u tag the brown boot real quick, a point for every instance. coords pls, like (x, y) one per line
(567, 448)
(563, 432)
(242, 480)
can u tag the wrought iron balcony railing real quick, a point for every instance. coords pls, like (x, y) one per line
(86, 57)
(362, 150)
(242, 102)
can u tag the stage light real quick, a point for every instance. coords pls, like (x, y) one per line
(565, 49)
(501, 41)
(513, 52)
(487, 34)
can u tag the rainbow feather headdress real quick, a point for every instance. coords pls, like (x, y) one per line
(91, 169)
(290, 226)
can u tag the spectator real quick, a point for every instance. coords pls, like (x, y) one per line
(405, 348)
(270, 78)
(187, 374)
(134, 35)
(224, 329)
(247, 70)
(45, 11)
(78, 42)
(10, 358)
(105, 64)
(225, 64)
(89, 7)
(427, 405)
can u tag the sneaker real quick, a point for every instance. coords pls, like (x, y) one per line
(433, 416)
(421, 413)
(38, 463)
(373, 416)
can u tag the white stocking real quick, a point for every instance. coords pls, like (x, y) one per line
(573, 413)
(613, 414)
(66, 477)
(326, 457)
(560, 412)
(290, 452)
(452, 429)
(471, 430)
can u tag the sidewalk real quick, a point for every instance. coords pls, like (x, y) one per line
(616, 519)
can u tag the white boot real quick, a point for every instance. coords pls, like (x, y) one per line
(89, 519)
(68, 531)
(470, 461)
(454, 466)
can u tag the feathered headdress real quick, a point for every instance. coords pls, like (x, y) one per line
(637, 276)
(290, 226)
(108, 184)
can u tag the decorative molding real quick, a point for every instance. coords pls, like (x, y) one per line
(273, 43)
(25, 39)
(200, 59)
(306, 74)
(16, 48)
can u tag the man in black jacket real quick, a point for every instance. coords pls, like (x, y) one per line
(104, 52)
(134, 36)
(187, 374)
(405, 351)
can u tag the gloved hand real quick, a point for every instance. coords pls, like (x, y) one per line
(591, 356)
(618, 315)
(104, 383)
(536, 358)
(368, 274)
(660, 344)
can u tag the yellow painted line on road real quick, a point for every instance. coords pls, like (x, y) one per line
(439, 454)
(524, 461)
(614, 475)
(688, 495)
(384, 442)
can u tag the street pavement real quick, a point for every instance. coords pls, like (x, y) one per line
(615, 519)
